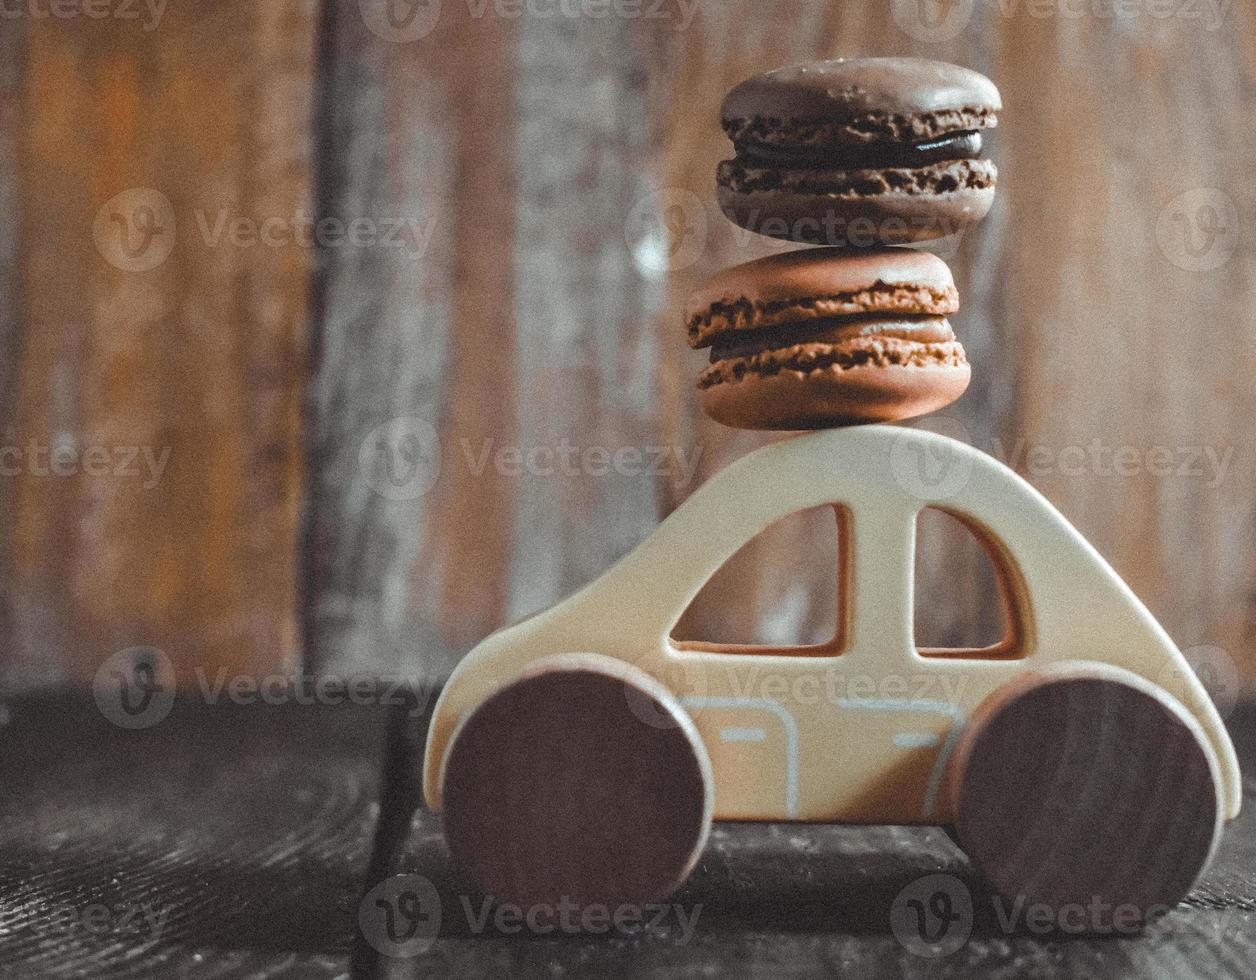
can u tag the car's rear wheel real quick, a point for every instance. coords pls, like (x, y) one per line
(583, 783)
(1089, 796)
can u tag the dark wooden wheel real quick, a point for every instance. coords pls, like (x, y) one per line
(1083, 791)
(561, 789)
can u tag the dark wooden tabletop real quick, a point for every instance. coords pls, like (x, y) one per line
(233, 841)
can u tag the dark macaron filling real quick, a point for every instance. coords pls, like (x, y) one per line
(914, 328)
(964, 145)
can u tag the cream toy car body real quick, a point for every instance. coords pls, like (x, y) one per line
(1083, 730)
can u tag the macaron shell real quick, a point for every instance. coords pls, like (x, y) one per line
(814, 283)
(834, 396)
(856, 221)
(940, 177)
(888, 98)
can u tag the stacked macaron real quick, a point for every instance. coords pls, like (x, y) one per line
(861, 155)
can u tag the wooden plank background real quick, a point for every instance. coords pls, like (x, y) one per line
(366, 433)
(187, 348)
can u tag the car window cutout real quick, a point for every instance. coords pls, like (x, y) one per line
(786, 591)
(966, 601)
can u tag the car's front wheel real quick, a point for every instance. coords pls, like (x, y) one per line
(583, 783)
(1090, 800)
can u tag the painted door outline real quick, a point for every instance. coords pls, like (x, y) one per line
(787, 722)
(952, 711)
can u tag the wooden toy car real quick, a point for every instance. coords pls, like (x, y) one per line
(581, 755)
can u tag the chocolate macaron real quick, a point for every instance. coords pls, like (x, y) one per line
(825, 337)
(859, 152)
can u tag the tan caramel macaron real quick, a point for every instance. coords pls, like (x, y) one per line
(823, 337)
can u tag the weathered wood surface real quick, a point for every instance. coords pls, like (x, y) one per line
(12, 80)
(238, 837)
(521, 329)
(407, 550)
(154, 342)
(1081, 323)
(1112, 287)
(544, 185)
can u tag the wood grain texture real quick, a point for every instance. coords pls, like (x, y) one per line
(1111, 326)
(399, 576)
(168, 389)
(214, 856)
(549, 183)
(586, 346)
(521, 335)
(1073, 790)
(583, 783)
(248, 828)
(12, 79)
